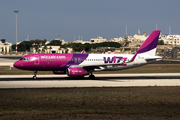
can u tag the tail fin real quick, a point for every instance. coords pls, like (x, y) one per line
(150, 44)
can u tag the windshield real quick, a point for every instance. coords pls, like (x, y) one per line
(25, 59)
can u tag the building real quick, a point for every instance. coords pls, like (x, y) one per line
(134, 41)
(106, 50)
(119, 40)
(137, 40)
(5, 47)
(97, 40)
(62, 41)
(171, 39)
(138, 36)
(81, 41)
(48, 49)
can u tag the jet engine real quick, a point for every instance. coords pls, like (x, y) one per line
(76, 72)
(59, 72)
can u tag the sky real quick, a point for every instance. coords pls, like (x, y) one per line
(47, 19)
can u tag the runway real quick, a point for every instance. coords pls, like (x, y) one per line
(7, 61)
(101, 80)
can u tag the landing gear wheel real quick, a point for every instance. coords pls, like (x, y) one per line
(81, 77)
(91, 76)
(34, 77)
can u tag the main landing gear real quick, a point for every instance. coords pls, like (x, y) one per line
(91, 76)
(34, 77)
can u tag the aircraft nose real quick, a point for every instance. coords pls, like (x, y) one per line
(17, 64)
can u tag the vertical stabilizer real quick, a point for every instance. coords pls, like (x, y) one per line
(150, 44)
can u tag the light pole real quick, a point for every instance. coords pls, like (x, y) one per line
(16, 28)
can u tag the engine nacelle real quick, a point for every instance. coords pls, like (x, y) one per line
(59, 72)
(76, 72)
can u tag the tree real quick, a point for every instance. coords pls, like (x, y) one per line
(55, 42)
(66, 50)
(28, 45)
(22, 47)
(14, 47)
(50, 49)
(106, 44)
(39, 50)
(44, 41)
(45, 47)
(87, 47)
(43, 50)
(160, 42)
(59, 49)
(38, 42)
(36, 47)
(32, 42)
(78, 46)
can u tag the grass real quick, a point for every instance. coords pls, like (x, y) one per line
(132, 103)
(109, 103)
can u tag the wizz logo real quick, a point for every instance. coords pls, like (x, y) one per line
(112, 59)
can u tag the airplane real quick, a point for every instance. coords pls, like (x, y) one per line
(80, 65)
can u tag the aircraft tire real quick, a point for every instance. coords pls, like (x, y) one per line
(81, 77)
(34, 77)
(91, 76)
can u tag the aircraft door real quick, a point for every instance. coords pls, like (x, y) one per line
(36, 61)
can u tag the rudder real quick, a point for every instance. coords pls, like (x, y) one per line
(150, 44)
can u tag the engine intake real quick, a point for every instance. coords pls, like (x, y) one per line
(76, 72)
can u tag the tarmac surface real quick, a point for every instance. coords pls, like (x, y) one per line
(101, 80)
(106, 80)
(7, 61)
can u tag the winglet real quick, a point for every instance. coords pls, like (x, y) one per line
(83, 52)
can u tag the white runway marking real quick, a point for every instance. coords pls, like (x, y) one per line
(102, 80)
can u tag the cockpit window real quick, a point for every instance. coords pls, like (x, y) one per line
(25, 59)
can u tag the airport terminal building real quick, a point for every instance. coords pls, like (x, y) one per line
(5, 47)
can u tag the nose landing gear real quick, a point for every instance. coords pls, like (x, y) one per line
(34, 77)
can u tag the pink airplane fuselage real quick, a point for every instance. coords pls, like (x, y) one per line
(49, 62)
